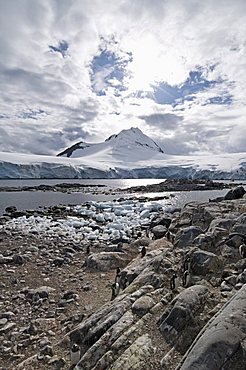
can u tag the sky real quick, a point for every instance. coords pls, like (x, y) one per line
(82, 70)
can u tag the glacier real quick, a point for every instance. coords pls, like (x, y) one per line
(130, 154)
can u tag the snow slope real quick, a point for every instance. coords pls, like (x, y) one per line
(130, 154)
(128, 146)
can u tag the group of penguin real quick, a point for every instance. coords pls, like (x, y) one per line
(186, 276)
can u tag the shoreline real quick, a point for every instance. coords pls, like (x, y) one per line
(167, 185)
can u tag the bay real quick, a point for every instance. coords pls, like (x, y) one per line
(35, 199)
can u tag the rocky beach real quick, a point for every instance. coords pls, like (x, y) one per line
(125, 285)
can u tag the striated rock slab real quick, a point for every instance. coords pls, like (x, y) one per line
(181, 313)
(135, 356)
(220, 339)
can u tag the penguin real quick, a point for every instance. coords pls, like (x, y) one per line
(88, 249)
(173, 281)
(123, 282)
(115, 290)
(242, 250)
(186, 264)
(170, 236)
(117, 276)
(143, 251)
(186, 278)
(139, 234)
(74, 354)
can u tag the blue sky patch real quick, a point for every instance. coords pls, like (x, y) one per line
(223, 100)
(61, 48)
(196, 82)
(109, 69)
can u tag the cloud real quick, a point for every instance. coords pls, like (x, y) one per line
(77, 70)
(167, 121)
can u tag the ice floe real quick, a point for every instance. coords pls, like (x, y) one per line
(92, 220)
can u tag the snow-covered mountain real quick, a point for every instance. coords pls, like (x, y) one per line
(129, 154)
(129, 145)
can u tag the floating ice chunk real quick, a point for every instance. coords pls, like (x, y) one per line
(87, 229)
(104, 236)
(115, 225)
(107, 231)
(118, 211)
(92, 236)
(144, 214)
(128, 207)
(108, 216)
(115, 234)
(75, 224)
(100, 217)
(104, 205)
(152, 206)
(125, 212)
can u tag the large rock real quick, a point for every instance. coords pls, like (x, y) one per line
(186, 236)
(150, 262)
(105, 261)
(220, 339)
(225, 223)
(180, 316)
(159, 231)
(236, 193)
(142, 305)
(203, 263)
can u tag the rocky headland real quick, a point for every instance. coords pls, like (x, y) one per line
(167, 185)
(125, 285)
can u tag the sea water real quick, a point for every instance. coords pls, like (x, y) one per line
(35, 199)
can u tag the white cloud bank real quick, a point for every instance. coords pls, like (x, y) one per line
(51, 99)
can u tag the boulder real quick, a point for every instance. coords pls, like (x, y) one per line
(186, 236)
(239, 228)
(10, 209)
(225, 223)
(204, 241)
(236, 193)
(159, 231)
(203, 263)
(105, 261)
(163, 220)
(142, 305)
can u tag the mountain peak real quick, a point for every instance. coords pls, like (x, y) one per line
(131, 131)
(130, 143)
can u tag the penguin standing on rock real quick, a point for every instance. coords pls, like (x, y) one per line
(170, 236)
(173, 281)
(143, 251)
(115, 287)
(88, 249)
(186, 264)
(186, 279)
(74, 355)
(242, 250)
(117, 276)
